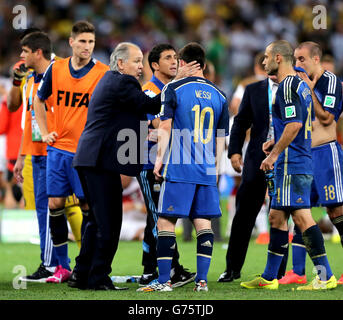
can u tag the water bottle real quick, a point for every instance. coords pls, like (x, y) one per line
(269, 175)
(125, 279)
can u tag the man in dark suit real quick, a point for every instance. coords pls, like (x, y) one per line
(110, 145)
(115, 112)
(253, 113)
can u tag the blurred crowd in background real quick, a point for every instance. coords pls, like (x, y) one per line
(231, 31)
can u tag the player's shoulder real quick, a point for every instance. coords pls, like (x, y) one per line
(292, 83)
(57, 62)
(328, 75)
(330, 80)
(177, 84)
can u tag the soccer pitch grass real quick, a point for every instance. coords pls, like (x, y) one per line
(128, 262)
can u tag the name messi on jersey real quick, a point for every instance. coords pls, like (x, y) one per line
(72, 99)
(203, 94)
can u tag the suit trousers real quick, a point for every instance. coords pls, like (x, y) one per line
(103, 191)
(249, 200)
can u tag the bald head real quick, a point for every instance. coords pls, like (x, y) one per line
(283, 48)
(277, 53)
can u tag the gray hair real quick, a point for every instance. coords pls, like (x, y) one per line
(120, 52)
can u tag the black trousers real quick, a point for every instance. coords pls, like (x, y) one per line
(249, 200)
(151, 192)
(103, 191)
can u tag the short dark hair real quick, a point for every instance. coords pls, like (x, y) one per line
(38, 40)
(155, 53)
(193, 51)
(82, 27)
(284, 48)
(313, 47)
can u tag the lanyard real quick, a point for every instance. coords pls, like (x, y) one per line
(270, 98)
(270, 134)
(30, 96)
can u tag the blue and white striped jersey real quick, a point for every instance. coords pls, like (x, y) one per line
(293, 103)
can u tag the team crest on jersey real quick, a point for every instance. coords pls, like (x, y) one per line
(329, 101)
(290, 112)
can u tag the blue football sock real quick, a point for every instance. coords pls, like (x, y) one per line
(299, 252)
(204, 253)
(314, 242)
(277, 247)
(165, 252)
(62, 256)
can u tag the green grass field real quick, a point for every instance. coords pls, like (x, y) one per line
(16, 257)
(128, 262)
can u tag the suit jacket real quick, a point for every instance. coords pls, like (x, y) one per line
(253, 113)
(112, 133)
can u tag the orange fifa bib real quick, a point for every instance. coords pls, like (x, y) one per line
(32, 143)
(71, 97)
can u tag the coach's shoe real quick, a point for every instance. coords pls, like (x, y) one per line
(340, 280)
(145, 279)
(76, 281)
(201, 286)
(317, 284)
(179, 277)
(156, 286)
(60, 275)
(229, 276)
(40, 275)
(292, 277)
(261, 283)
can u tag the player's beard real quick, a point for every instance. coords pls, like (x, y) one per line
(273, 69)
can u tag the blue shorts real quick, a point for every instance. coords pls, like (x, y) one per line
(327, 187)
(292, 192)
(62, 180)
(188, 200)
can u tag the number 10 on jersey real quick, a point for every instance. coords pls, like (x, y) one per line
(199, 124)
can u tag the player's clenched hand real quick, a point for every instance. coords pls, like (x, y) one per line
(50, 138)
(187, 70)
(152, 135)
(237, 162)
(157, 169)
(268, 163)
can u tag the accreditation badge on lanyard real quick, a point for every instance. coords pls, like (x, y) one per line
(36, 135)
(270, 135)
